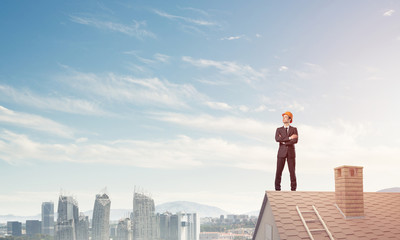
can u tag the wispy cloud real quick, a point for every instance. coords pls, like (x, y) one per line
(388, 13)
(244, 72)
(127, 89)
(182, 152)
(247, 127)
(157, 58)
(162, 57)
(232, 38)
(295, 106)
(263, 108)
(196, 10)
(34, 122)
(185, 19)
(310, 70)
(234, 108)
(134, 30)
(60, 104)
(219, 105)
(283, 69)
(336, 143)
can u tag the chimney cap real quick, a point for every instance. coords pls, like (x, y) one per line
(348, 166)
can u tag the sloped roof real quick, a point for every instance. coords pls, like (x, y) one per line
(381, 220)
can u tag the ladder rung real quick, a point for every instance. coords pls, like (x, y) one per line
(325, 229)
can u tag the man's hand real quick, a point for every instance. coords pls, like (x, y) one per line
(293, 136)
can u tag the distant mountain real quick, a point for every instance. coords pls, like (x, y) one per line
(190, 207)
(394, 189)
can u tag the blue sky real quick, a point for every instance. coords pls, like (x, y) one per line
(183, 98)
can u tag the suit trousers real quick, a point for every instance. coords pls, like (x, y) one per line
(292, 170)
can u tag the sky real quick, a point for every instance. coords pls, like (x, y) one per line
(181, 99)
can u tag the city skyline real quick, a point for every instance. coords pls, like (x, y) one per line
(183, 98)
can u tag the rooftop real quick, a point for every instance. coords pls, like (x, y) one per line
(381, 218)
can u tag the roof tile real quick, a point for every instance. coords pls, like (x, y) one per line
(381, 220)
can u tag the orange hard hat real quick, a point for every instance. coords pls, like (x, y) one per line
(289, 114)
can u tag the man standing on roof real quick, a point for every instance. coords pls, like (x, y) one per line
(287, 136)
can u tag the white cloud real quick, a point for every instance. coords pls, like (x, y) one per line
(126, 89)
(233, 125)
(342, 143)
(243, 108)
(283, 69)
(212, 82)
(196, 10)
(310, 70)
(245, 72)
(162, 57)
(388, 13)
(296, 107)
(134, 30)
(34, 122)
(219, 105)
(232, 38)
(157, 58)
(334, 144)
(263, 108)
(180, 153)
(234, 108)
(185, 19)
(24, 202)
(61, 104)
(258, 35)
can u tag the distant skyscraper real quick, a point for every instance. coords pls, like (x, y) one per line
(48, 218)
(101, 218)
(33, 227)
(124, 231)
(14, 228)
(82, 229)
(180, 226)
(145, 225)
(67, 219)
(165, 229)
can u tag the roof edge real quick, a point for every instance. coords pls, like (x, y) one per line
(260, 215)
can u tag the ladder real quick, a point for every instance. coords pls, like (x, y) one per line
(309, 220)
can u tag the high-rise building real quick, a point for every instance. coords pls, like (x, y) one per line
(145, 224)
(33, 227)
(48, 218)
(101, 218)
(14, 228)
(67, 219)
(180, 226)
(82, 229)
(165, 230)
(124, 231)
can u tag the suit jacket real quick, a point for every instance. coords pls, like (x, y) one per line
(286, 146)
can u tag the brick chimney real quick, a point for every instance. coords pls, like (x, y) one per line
(349, 193)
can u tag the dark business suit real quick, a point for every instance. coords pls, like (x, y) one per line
(286, 152)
